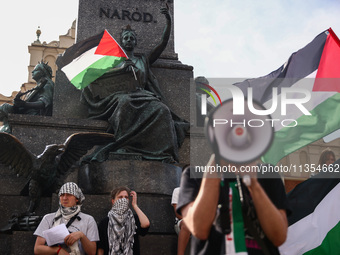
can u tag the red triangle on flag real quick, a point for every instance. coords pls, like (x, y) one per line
(328, 74)
(109, 47)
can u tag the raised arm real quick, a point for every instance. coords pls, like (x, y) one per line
(200, 214)
(144, 221)
(273, 221)
(157, 51)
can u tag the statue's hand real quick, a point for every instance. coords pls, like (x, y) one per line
(18, 95)
(166, 12)
(19, 103)
(128, 64)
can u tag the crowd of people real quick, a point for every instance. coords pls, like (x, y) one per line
(205, 222)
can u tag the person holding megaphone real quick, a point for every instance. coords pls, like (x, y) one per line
(239, 212)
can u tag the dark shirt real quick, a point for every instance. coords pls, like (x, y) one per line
(104, 241)
(215, 244)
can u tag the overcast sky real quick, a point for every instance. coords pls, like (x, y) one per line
(219, 38)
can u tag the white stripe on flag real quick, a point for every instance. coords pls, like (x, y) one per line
(81, 63)
(309, 232)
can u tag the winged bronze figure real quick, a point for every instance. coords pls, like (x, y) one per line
(47, 171)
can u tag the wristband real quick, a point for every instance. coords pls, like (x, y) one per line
(59, 249)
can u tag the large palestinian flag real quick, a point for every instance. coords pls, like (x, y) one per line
(87, 60)
(314, 225)
(314, 68)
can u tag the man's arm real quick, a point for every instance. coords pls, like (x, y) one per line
(199, 215)
(89, 247)
(273, 221)
(41, 248)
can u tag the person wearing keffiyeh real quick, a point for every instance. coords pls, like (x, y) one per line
(119, 231)
(82, 227)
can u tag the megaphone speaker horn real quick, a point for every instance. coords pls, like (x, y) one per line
(240, 138)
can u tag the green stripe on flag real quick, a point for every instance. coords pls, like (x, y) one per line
(239, 237)
(330, 245)
(95, 70)
(324, 120)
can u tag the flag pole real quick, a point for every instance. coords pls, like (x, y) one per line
(134, 74)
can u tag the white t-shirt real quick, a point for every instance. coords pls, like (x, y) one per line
(86, 224)
(175, 196)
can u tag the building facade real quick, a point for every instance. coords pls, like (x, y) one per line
(48, 52)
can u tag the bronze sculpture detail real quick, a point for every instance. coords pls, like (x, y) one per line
(37, 101)
(46, 172)
(143, 125)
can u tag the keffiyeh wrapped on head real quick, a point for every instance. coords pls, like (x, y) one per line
(73, 189)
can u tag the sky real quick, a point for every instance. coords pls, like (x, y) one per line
(219, 38)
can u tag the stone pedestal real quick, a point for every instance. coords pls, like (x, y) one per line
(153, 181)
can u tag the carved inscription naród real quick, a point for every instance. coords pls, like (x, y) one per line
(136, 16)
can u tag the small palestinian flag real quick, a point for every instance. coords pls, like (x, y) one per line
(86, 61)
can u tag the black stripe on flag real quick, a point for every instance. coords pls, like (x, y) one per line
(78, 49)
(299, 65)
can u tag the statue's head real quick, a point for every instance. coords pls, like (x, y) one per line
(128, 38)
(200, 82)
(42, 69)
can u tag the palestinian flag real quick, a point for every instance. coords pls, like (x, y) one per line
(314, 224)
(314, 68)
(87, 60)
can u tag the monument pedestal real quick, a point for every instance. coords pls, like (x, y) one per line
(153, 181)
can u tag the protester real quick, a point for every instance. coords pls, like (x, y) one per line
(327, 157)
(119, 231)
(82, 227)
(263, 204)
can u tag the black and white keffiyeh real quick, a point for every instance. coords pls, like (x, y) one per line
(121, 228)
(73, 189)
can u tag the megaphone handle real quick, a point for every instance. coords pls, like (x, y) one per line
(239, 188)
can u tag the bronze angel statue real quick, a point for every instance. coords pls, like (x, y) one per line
(46, 171)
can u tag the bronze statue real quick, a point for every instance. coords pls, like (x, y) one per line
(37, 101)
(47, 171)
(142, 124)
(199, 83)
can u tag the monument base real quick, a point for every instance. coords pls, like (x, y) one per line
(152, 180)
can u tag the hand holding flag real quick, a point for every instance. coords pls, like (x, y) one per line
(86, 61)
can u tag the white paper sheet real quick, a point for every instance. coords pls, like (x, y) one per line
(56, 234)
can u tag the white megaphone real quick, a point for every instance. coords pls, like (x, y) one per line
(240, 138)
